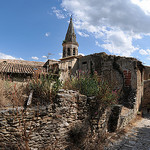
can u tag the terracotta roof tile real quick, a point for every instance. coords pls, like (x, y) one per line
(14, 61)
(16, 68)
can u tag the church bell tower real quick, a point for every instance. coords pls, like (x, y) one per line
(70, 45)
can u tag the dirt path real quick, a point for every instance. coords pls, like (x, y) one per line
(137, 138)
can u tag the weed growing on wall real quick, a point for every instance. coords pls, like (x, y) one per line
(84, 83)
(101, 95)
(44, 86)
(93, 85)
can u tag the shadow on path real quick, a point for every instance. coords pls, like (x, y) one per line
(138, 138)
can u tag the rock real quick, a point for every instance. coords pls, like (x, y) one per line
(61, 90)
(11, 129)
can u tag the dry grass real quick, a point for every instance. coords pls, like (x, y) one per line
(11, 93)
(4, 101)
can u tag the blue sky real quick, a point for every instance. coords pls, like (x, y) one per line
(30, 29)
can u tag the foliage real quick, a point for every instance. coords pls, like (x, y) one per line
(45, 87)
(93, 85)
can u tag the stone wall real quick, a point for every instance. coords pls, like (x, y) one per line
(124, 74)
(66, 123)
(67, 66)
(146, 99)
(126, 115)
(147, 73)
(120, 117)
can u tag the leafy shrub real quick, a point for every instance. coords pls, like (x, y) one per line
(45, 87)
(93, 85)
(85, 83)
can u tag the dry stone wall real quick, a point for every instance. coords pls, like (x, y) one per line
(66, 124)
(125, 74)
(47, 126)
(120, 116)
(146, 100)
(126, 115)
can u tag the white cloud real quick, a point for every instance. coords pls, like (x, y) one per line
(117, 42)
(58, 13)
(115, 13)
(144, 52)
(5, 56)
(20, 58)
(60, 54)
(144, 4)
(82, 34)
(47, 34)
(96, 31)
(44, 56)
(148, 58)
(97, 44)
(35, 58)
(81, 54)
(116, 22)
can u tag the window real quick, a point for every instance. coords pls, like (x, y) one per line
(64, 53)
(68, 52)
(74, 51)
(84, 62)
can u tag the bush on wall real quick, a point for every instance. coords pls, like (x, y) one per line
(44, 86)
(93, 85)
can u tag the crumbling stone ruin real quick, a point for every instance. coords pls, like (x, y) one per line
(147, 73)
(67, 124)
(59, 125)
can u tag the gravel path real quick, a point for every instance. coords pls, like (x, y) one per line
(138, 138)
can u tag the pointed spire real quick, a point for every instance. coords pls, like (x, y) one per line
(70, 36)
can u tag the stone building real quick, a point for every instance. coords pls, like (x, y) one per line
(70, 53)
(19, 70)
(70, 45)
(51, 66)
(125, 73)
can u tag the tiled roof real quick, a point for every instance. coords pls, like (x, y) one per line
(50, 62)
(15, 68)
(14, 61)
